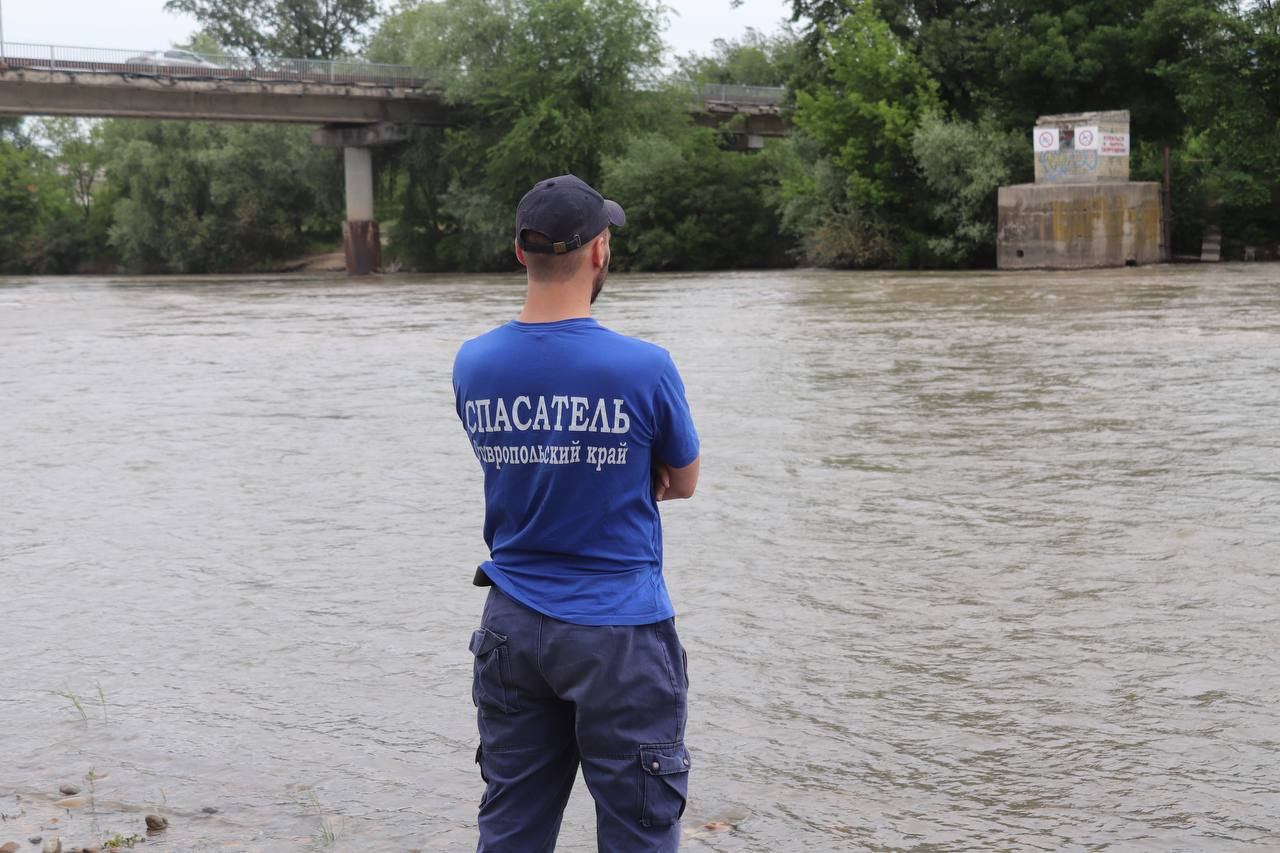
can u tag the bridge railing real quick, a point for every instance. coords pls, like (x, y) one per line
(735, 94)
(186, 64)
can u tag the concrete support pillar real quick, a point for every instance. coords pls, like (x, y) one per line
(360, 238)
(360, 231)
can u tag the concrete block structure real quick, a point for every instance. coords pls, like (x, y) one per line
(1073, 226)
(1082, 148)
(1082, 211)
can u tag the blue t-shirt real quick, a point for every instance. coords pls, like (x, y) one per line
(565, 419)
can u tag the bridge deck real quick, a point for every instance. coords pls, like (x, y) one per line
(31, 92)
(178, 84)
(184, 64)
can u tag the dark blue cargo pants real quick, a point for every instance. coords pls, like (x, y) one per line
(552, 695)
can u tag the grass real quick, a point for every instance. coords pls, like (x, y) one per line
(74, 700)
(71, 697)
(118, 841)
(326, 835)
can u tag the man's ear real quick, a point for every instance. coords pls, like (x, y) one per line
(520, 254)
(600, 249)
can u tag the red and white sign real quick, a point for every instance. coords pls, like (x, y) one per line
(1045, 139)
(1114, 144)
(1087, 139)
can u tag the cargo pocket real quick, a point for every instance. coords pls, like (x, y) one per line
(491, 683)
(664, 770)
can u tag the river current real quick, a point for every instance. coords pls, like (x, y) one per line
(977, 562)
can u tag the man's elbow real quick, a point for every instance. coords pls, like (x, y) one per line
(684, 480)
(681, 493)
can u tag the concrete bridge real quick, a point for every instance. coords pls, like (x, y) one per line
(358, 105)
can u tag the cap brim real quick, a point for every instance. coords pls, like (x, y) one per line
(616, 215)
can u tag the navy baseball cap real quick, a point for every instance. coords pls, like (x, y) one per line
(568, 211)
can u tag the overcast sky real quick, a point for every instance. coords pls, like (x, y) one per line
(145, 25)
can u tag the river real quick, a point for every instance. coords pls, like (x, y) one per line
(978, 560)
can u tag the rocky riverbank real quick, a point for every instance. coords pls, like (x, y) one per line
(72, 819)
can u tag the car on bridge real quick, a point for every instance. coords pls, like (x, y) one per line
(172, 58)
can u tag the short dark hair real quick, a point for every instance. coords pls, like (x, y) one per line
(549, 267)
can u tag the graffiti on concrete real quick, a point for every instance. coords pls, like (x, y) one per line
(1064, 165)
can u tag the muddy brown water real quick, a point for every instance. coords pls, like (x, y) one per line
(978, 561)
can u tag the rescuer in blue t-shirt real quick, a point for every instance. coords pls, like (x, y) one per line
(580, 432)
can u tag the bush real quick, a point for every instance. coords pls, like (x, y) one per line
(964, 164)
(692, 205)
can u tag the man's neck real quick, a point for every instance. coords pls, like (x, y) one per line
(551, 303)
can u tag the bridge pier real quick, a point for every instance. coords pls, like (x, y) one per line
(361, 241)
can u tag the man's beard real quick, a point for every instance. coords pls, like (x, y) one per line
(600, 277)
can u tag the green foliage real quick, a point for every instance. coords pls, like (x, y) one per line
(553, 86)
(692, 205)
(300, 29)
(19, 204)
(963, 164)
(907, 114)
(206, 197)
(1070, 56)
(755, 59)
(1202, 76)
(79, 155)
(1012, 60)
(42, 230)
(828, 229)
(850, 191)
(875, 94)
(1228, 81)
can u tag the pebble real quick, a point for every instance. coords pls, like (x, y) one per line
(35, 839)
(209, 810)
(92, 848)
(72, 803)
(52, 845)
(155, 823)
(69, 790)
(8, 847)
(718, 826)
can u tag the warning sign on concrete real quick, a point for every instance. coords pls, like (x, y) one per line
(1046, 139)
(1114, 144)
(1087, 139)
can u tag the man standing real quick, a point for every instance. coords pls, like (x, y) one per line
(580, 432)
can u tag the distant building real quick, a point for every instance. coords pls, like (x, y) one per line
(1082, 211)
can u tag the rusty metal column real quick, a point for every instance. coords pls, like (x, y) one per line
(360, 238)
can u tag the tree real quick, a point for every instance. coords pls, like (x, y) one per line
(848, 190)
(553, 86)
(692, 205)
(301, 29)
(1012, 60)
(827, 227)
(211, 197)
(1227, 76)
(755, 59)
(19, 204)
(863, 116)
(41, 226)
(1202, 76)
(964, 164)
(79, 154)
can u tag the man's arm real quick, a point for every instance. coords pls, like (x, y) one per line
(675, 483)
